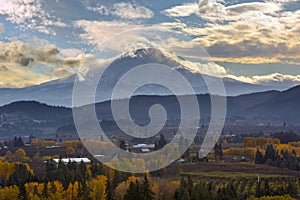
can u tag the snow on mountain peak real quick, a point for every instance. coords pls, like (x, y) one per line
(143, 53)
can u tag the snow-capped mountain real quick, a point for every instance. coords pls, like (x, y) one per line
(59, 92)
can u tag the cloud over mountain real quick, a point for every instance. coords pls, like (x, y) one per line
(240, 32)
(275, 79)
(23, 64)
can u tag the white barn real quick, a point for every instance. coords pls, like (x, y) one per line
(76, 160)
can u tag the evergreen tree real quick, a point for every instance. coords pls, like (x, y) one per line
(147, 194)
(50, 170)
(53, 188)
(84, 191)
(270, 153)
(97, 169)
(83, 172)
(267, 188)
(221, 194)
(190, 185)
(82, 177)
(258, 190)
(156, 146)
(45, 191)
(292, 189)
(130, 192)
(123, 145)
(218, 151)
(61, 176)
(23, 195)
(119, 177)
(20, 142)
(21, 176)
(15, 142)
(230, 192)
(185, 195)
(108, 191)
(259, 159)
(162, 141)
(133, 192)
(200, 192)
(180, 191)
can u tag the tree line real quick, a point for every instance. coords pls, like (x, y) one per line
(283, 159)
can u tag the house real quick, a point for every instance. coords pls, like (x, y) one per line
(144, 148)
(140, 146)
(76, 160)
(236, 159)
(180, 160)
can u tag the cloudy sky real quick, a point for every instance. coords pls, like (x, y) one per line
(252, 41)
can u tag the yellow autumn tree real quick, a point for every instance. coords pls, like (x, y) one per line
(34, 190)
(165, 189)
(55, 190)
(285, 197)
(42, 143)
(295, 144)
(122, 187)
(259, 142)
(247, 151)
(98, 187)
(111, 173)
(6, 170)
(20, 155)
(249, 142)
(276, 141)
(287, 147)
(72, 143)
(8, 155)
(70, 151)
(9, 193)
(72, 191)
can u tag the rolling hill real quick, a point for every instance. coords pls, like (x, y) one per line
(258, 108)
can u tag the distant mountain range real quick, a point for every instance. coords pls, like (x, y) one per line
(59, 92)
(252, 109)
